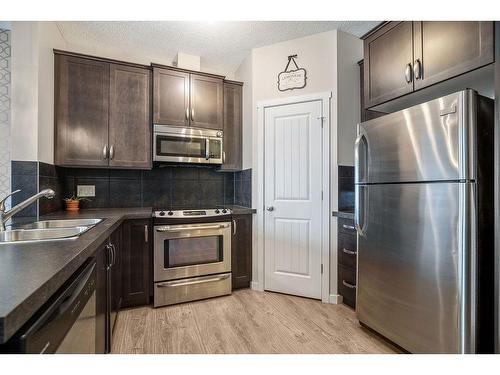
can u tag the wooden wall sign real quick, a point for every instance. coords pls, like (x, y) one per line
(292, 79)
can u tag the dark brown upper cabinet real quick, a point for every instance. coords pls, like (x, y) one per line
(402, 57)
(102, 113)
(388, 56)
(129, 117)
(171, 97)
(446, 49)
(206, 102)
(187, 99)
(81, 106)
(232, 126)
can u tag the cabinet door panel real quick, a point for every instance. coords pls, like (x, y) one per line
(101, 299)
(206, 102)
(116, 275)
(241, 251)
(130, 122)
(232, 127)
(447, 49)
(136, 263)
(387, 54)
(81, 118)
(170, 97)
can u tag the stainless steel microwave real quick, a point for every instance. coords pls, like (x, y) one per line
(187, 145)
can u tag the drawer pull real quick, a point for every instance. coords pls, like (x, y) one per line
(349, 227)
(350, 286)
(349, 252)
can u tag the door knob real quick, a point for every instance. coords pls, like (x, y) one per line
(270, 208)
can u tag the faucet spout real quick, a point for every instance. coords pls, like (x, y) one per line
(6, 215)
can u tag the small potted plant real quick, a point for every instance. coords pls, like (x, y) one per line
(73, 203)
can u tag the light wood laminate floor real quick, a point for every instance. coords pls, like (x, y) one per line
(245, 322)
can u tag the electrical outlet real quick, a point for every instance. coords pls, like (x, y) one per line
(85, 190)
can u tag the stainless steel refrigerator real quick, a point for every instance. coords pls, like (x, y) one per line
(424, 216)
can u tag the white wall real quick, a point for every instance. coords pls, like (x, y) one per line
(330, 59)
(130, 55)
(49, 38)
(24, 105)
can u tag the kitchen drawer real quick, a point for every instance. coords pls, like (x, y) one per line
(347, 250)
(346, 226)
(347, 285)
(195, 288)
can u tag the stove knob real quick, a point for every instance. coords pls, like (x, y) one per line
(217, 211)
(224, 211)
(170, 213)
(219, 134)
(162, 213)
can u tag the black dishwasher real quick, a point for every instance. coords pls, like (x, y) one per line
(67, 323)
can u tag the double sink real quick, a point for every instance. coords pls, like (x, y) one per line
(47, 230)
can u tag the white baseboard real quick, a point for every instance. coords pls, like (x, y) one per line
(335, 299)
(254, 285)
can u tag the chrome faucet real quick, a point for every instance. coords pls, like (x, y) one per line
(6, 215)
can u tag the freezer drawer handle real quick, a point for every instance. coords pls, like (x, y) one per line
(350, 227)
(193, 282)
(349, 252)
(350, 286)
(180, 229)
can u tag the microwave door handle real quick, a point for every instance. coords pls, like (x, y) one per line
(207, 150)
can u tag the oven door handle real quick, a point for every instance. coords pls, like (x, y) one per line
(191, 282)
(180, 229)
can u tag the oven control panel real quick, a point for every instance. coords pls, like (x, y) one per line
(183, 214)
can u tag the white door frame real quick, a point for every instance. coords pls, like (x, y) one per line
(258, 243)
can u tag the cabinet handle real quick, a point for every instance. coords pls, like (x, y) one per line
(105, 152)
(349, 252)
(111, 152)
(223, 157)
(187, 113)
(146, 233)
(192, 114)
(417, 69)
(350, 286)
(207, 148)
(350, 227)
(234, 227)
(408, 73)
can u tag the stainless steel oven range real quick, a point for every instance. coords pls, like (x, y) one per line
(192, 255)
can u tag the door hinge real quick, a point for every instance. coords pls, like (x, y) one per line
(321, 268)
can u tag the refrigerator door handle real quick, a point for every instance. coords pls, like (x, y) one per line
(360, 209)
(360, 159)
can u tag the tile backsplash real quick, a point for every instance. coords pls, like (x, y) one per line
(170, 187)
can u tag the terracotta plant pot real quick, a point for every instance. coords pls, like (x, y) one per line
(72, 205)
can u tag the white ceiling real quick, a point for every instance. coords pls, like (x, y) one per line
(221, 45)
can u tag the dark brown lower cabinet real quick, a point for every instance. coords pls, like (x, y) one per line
(241, 251)
(136, 268)
(116, 276)
(101, 298)
(347, 261)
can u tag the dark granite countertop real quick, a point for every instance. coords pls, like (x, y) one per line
(30, 273)
(345, 214)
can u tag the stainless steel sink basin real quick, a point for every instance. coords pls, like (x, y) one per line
(16, 235)
(48, 224)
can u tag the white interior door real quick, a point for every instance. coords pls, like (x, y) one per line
(292, 196)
